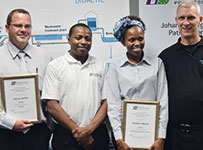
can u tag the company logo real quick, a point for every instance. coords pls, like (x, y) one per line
(19, 83)
(135, 107)
(140, 108)
(96, 75)
(13, 83)
(157, 2)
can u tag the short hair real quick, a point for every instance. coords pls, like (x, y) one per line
(78, 25)
(10, 15)
(189, 4)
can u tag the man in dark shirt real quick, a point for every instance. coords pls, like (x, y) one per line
(184, 69)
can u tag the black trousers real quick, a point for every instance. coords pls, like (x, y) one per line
(37, 138)
(63, 139)
(177, 139)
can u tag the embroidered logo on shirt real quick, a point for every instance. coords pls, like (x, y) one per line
(96, 74)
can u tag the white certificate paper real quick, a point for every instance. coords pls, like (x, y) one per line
(140, 123)
(21, 97)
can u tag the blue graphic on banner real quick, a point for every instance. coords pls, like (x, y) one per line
(91, 22)
(39, 40)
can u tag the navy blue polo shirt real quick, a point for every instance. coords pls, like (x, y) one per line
(184, 70)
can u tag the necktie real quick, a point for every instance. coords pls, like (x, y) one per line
(23, 66)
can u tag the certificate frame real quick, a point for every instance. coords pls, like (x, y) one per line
(140, 123)
(20, 97)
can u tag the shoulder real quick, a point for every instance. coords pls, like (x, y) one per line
(154, 61)
(3, 50)
(55, 67)
(168, 51)
(57, 62)
(4, 54)
(116, 63)
(98, 62)
(37, 53)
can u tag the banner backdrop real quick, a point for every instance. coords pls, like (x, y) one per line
(52, 19)
(159, 17)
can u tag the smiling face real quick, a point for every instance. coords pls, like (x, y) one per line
(188, 21)
(134, 42)
(80, 43)
(19, 30)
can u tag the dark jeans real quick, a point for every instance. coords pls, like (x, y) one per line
(63, 139)
(37, 138)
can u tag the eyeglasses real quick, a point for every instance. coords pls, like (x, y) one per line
(20, 26)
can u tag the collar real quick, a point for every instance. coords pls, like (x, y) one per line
(71, 59)
(145, 59)
(179, 45)
(13, 50)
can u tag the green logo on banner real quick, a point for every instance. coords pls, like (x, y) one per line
(163, 2)
(157, 2)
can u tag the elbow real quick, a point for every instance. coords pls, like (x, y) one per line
(51, 106)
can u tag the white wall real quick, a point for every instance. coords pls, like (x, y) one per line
(52, 19)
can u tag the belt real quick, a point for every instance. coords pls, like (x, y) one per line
(186, 127)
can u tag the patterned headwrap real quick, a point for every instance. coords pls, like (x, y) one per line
(122, 25)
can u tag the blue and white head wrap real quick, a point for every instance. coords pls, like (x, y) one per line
(122, 25)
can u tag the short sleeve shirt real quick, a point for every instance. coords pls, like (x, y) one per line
(79, 88)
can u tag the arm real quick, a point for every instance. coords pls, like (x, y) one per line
(60, 115)
(82, 132)
(99, 117)
(86, 132)
(21, 124)
(158, 145)
(11, 123)
(162, 96)
(122, 145)
(51, 94)
(115, 107)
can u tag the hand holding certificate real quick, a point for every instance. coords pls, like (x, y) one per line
(20, 97)
(140, 123)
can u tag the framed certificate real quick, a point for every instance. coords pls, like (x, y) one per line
(140, 123)
(20, 97)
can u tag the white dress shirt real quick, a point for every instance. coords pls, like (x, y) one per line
(36, 62)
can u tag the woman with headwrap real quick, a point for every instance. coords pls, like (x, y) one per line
(136, 76)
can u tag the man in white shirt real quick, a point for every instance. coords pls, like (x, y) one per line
(16, 133)
(75, 90)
